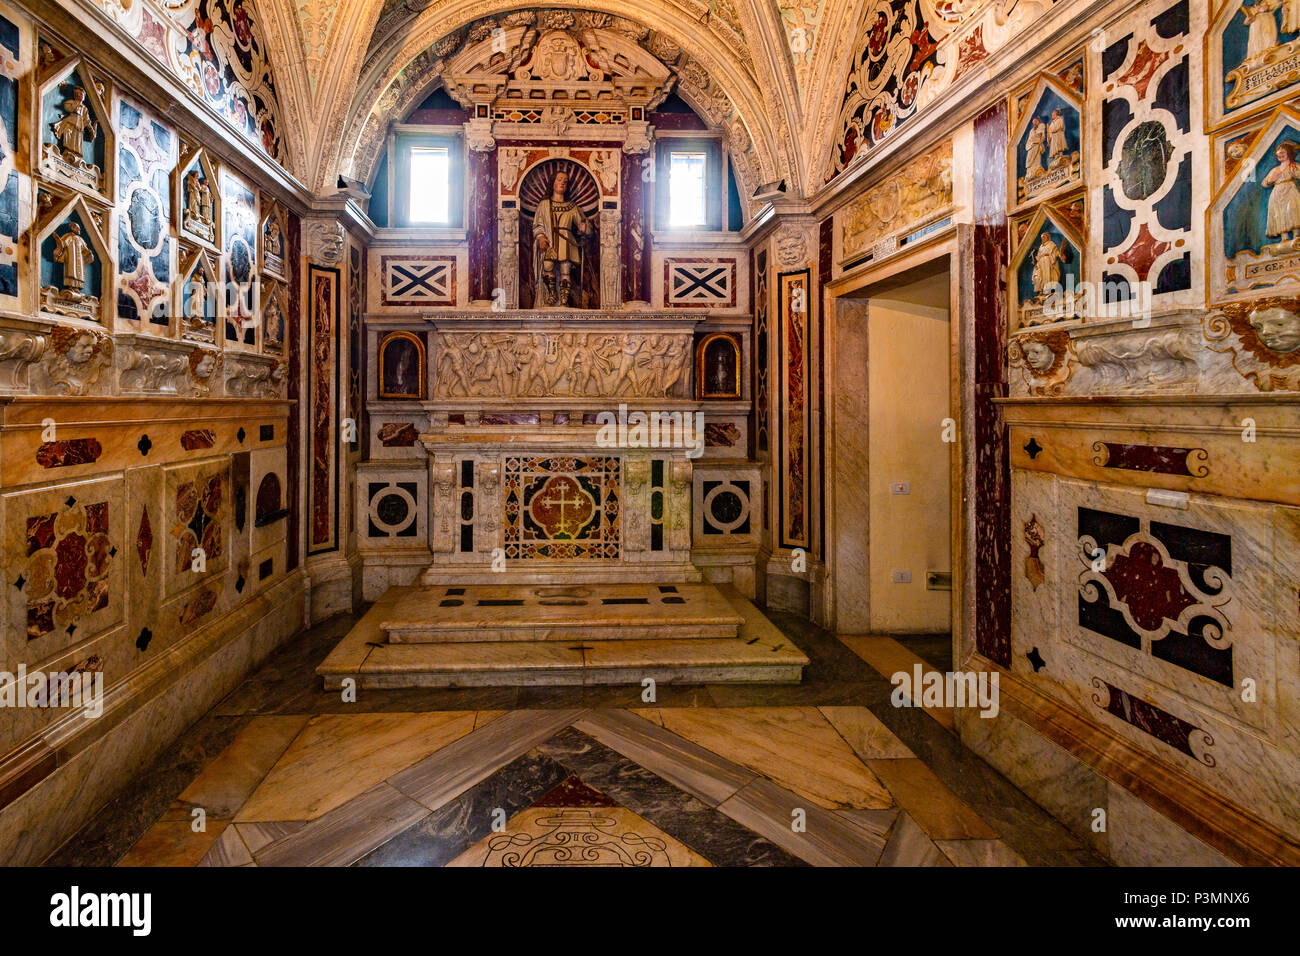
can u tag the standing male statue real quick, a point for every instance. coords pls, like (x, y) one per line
(556, 249)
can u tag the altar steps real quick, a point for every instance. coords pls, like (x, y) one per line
(606, 612)
(758, 653)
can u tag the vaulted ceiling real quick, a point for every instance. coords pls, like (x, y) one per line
(759, 67)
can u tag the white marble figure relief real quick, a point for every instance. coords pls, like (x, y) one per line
(1035, 144)
(557, 249)
(74, 128)
(507, 364)
(1278, 328)
(1047, 268)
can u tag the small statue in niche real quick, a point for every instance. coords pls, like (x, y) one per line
(73, 253)
(556, 249)
(272, 237)
(1047, 271)
(1034, 147)
(200, 218)
(1058, 150)
(1283, 200)
(1261, 28)
(75, 127)
(273, 323)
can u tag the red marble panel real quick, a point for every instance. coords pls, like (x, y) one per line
(71, 451)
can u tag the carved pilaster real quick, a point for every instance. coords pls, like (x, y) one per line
(610, 262)
(508, 257)
(444, 505)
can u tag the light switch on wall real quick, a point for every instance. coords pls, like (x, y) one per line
(900, 488)
(902, 577)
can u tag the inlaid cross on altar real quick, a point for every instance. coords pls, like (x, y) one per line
(563, 502)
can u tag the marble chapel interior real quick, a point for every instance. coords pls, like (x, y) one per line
(448, 433)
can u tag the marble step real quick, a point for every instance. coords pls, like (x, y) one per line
(759, 654)
(502, 613)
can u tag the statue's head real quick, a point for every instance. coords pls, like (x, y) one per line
(1038, 355)
(74, 229)
(560, 185)
(1285, 152)
(82, 349)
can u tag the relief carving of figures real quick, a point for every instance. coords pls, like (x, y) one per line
(508, 364)
(1140, 359)
(74, 360)
(142, 370)
(444, 479)
(508, 257)
(510, 164)
(921, 190)
(249, 380)
(1263, 338)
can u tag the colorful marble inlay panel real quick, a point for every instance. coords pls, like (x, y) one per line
(793, 298)
(12, 58)
(1156, 721)
(69, 553)
(201, 519)
(76, 131)
(1160, 588)
(1150, 178)
(562, 508)
(418, 280)
(356, 360)
(146, 156)
(239, 211)
(699, 282)
(322, 371)
(1047, 264)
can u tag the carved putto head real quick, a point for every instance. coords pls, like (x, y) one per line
(1042, 358)
(203, 363)
(1278, 328)
(76, 358)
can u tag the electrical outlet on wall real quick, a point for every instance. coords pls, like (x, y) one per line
(902, 577)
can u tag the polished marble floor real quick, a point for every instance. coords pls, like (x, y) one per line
(825, 773)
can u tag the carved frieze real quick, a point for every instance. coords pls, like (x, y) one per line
(615, 364)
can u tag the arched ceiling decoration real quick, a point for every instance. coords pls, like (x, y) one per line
(714, 66)
(903, 56)
(219, 49)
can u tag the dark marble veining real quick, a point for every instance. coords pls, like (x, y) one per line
(713, 835)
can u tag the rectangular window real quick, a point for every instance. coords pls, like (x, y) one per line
(686, 188)
(430, 185)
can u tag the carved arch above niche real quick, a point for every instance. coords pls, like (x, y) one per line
(709, 76)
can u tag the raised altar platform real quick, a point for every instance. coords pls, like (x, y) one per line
(410, 638)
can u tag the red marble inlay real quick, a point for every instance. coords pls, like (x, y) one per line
(40, 532)
(1145, 65)
(197, 438)
(1143, 252)
(562, 507)
(144, 541)
(71, 451)
(70, 571)
(1152, 591)
(97, 518)
(398, 434)
(574, 793)
(199, 605)
(721, 434)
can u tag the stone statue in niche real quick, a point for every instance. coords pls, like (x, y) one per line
(1283, 201)
(557, 250)
(75, 255)
(1047, 269)
(273, 324)
(200, 218)
(273, 246)
(75, 127)
(1035, 143)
